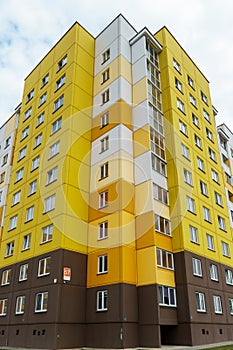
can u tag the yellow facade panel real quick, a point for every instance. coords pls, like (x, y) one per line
(146, 266)
(141, 139)
(145, 230)
(140, 91)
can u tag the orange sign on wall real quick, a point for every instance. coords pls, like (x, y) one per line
(66, 273)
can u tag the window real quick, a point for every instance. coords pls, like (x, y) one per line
(213, 272)
(195, 120)
(38, 140)
(229, 276)
(103, 199)
(13, 222)
(104, 144)
(54, 149)
(221, 223)
(56, 125)
(203, 187)
(103, 230)
(206, 212)
(62, 63)
(23, 272)
(218, 198)
(25, 133)
(162, 225)
(102, 264)
(35, 163)
(106, 56)
(180, 105)
(197, 141)
(19, 174)
(22, 153)
(204, 98)
(190, 204)
(192, 100)
(45, 80)
(200, 164)
(32, 187)
(58, 103)
(190, 82)
(176, 65)
(102, 300)
(200, 302)
(8, 141)
(193, 234)
(60, 82)
(157, 143)
(225, 249)
(49, 203)
(210, 241)
(164, 259)
(105, 76)
(4, 159)
(41, 304)
(52, 175)
(30, 95)
(197, 270)
(105, 96)
(44, 267)
(209, 134)
(28, 113)
(178, 85)
(212, 154)
(29, 213)
(185, 151)
(160, 194)
(3, 307)
(217, 304)
(6, 277)
(104, 120)
(104, 171)
(183, 128)
(206, 115)
(158, 165)
(231, 305)
(16, 198)
(2, 177)
(214, 176)
(10, 248)
(26, 241)
(40, 119)
(20, 303)
(43, 98)
(167, 296)
(188, 177)
(47, 234)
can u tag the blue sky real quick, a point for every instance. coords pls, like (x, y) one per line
(204, 28)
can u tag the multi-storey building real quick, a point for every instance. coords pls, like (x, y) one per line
(116, 231)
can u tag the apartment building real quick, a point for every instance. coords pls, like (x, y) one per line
(116, 230)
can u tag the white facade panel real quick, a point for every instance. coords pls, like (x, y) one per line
(139, 70)
(120, 138)
(138, 49)
(140, 115)
(119, 89)
(104, 40)
(142, 168)
(114, 53)
(126, 29)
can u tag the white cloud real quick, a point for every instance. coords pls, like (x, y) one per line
(30, 28)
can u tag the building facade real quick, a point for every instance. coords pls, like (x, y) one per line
(116, 229)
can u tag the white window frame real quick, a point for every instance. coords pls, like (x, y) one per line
(42, 303)
(103, 199)
(25, 133)
(29, 213)
(58, 103)
(190, 205)
(30, 95)
(23, 272)
(225, 249)
(221, 223)
(10, 248)
(217, 304)
(178, 85)
(105, 97)
(26, 242)
(197, 267)
(45, 80)
(19, 175)
(231, 305)
(218, 198)
(32, 187)
(60, 82)
(62, 63)
(49, 203)
(22, 153)
(104, 120)
(104, 170)
(203, 187)
(105, 55)
(44, 267)
(229, 276)
(164, 293)
(164, 256)
(6, 277)
(47, 233)
(206, 115)
(43, 99)
(103, 230)
(102, 300)
(28, 113)
(200, 302)
(183, 127)
(54, 149)
(213, 272)
(102, 264)
(195, 120)
(185, 151)
(56, 125)
(160, 194)
(198, 142)
(176, 65)
(38, 140)
(40, 119)
(35, 163)
(212, 154)
(13, 222)
(210, 242)
(193, 234)
(200, 164)
(206, 213)
(104, 144)
(165, 228)
(215, 176)
(3, 307)
(180, 105)
(192, 100)
(20, 305)
(190, 82)
(16, 198)
(188, 177)
(52, 175)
